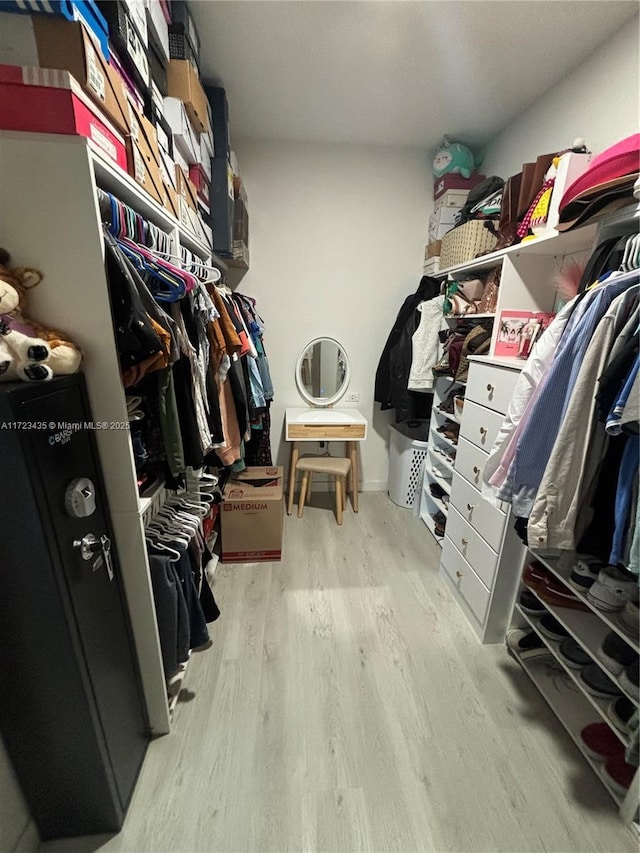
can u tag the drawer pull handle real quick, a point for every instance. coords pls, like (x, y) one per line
(471, 507)
(491, 388)
(476, 471)
(458, 574)
(483, 431)
(465, 542)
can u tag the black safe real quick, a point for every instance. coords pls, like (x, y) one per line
(72, 714)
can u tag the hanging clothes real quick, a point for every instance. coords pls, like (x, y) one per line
(427, 348)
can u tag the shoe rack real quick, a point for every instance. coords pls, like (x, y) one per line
(440, 459)
(560, 684)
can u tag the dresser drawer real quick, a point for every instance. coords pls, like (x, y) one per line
(480, 425)
(470, 462)
(465, 581)
(491, 386)
(480, 514)
(473, 548)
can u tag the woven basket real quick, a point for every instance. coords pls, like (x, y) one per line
(466, 242)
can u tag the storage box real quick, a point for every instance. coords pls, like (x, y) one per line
(67, 46)
(437, 230)
(433, 249)
(217, 98)
(143, 156)
(184, 41)
(157, 70)
(185, 139)
(451, 198)
(73, 10)
(183, 82)
(138, 13)
(44, 100)
(432, 266)
(252, 516)
(127, 42)
(222, 201)
(186, 189)
(467, 242)
(455, 182)
(445, 215)
(158, 29)
(201, 182)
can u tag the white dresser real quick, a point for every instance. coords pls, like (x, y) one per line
(482, 557)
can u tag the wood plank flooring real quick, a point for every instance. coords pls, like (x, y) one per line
(346, 706)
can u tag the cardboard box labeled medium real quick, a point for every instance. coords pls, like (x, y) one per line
(252, 516)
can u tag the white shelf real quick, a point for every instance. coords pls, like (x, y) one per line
(111, 178)
(600, 705)
(469, 316)
(441, 460)
(446, 484)
(512, 362)
(428, 521)
(438, 436)
(569, 706)
(439, 505)
(607, 618)
(486, 262)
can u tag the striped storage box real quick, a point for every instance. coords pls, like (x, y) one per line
(467, 241)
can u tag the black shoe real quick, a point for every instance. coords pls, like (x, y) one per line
(526, 644)
(573, 654)
(598, 683)
(614, 654)
(530, 604)
(620, 712)
(630, 677)
(437, 491)
(440, 521)
(551, 628)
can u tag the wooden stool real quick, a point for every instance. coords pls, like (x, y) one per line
(337, 466)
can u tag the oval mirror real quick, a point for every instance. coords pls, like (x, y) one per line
(323, 372)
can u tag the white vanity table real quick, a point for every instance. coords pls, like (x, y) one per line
(347, 425)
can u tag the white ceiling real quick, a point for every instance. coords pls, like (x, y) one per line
(397, 72)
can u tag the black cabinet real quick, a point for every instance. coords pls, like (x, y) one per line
(71, 707)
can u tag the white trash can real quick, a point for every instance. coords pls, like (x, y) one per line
(406, 457)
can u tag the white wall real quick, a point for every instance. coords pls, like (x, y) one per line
(337, 242)
(598, 101)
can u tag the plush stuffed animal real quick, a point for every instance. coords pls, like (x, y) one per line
(454, 157)
(28, 351)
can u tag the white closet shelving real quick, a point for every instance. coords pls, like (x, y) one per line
(482, 568)
(54, 225)
(564, 691)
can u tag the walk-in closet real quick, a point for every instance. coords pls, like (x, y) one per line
(319, 426)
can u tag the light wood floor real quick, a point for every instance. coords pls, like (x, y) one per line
(346, 706)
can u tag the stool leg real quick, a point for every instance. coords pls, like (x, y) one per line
(309, 484)
(303, 492)
(344, 493)
(292, 476)
(339, 500)
(353, 452)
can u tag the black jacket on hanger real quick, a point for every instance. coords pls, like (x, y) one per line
(392, 375)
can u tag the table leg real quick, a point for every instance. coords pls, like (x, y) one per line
(295, 453)
(353, 453)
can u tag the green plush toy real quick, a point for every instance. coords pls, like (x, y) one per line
(454, 157)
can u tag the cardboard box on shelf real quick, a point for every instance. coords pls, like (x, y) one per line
(186, 189)
(451, 198)
(432, 266)
(201, 182)
(251, 520)
(455, 182)
(445, 215)
(183, 82)
(222, 201)
(437, 230)
(158, 29)
(125, 38)
(143, 156)
(432, 249)
(67, 46)
(185, 139)
(45, 100)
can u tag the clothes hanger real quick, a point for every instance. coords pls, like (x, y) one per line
(163, 534)
(173, 555)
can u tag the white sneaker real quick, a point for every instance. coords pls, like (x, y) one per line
(612, 590)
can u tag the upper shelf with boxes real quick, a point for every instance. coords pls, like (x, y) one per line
(126, 76)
